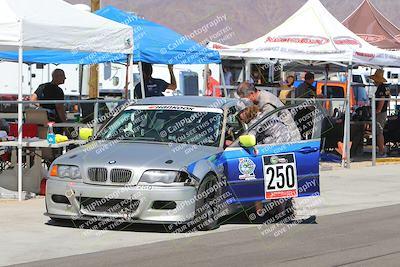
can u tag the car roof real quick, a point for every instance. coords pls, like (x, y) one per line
(196, 101)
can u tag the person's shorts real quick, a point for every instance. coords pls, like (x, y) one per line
(380, 122)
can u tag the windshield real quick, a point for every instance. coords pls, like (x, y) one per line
(166, 124)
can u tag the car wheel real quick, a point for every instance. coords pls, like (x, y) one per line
(207, 208)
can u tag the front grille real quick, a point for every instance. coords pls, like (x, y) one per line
(97, 174)
(120, 175)
(109, 205)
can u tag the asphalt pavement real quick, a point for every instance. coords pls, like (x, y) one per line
(26, 235)
(360, 238)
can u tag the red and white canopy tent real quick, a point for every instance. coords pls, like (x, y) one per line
(55, 25)
(313, 36)
(372, 26)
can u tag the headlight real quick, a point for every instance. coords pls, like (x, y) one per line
(165, 177)
(65, 171)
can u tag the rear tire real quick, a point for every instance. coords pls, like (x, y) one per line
(207, 210)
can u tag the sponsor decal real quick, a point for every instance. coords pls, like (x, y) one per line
(372, 38)
(362, 54)
(346, 40)
(280, 176)
(274, 160)
(175, 107)
(298, 39)
(246, 168)
(218, 46)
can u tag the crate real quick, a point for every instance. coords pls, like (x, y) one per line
(28, 130)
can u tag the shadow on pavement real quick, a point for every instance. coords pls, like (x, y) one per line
(241, 218)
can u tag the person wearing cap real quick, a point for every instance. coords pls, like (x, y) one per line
(277, 128)
(266, 101)
(382, 91)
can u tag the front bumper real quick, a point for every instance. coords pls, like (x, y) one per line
(132, 204)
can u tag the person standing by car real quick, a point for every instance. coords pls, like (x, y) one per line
(382, 91)
(153, 86)
(287, 87)
(211, 84)
(266, 101)
(52, 91)
(307, 89)
(274, 129)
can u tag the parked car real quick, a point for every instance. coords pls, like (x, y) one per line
(166, 160)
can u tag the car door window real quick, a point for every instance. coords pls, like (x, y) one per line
(234, 127)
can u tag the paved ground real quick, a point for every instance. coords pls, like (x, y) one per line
(359, 238)
(26, 236)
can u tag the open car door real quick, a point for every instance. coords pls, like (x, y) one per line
(286, 169)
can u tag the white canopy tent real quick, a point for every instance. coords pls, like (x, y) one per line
(313, 36)
(55, 24)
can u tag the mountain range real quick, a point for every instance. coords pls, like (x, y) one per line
(234, 21)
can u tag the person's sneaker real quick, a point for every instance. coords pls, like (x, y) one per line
(384, 155)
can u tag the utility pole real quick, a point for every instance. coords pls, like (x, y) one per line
(94, 69)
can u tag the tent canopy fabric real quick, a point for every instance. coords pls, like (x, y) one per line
(153, 44)
(313, 34)
(55, 24)
(368, 23)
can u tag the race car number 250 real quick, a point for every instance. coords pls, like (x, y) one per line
(280, 176)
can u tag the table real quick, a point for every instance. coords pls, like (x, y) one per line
(33, 174)
(41, 143)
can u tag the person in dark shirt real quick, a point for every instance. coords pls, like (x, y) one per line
(304, 115)
(152, 86)
(52, 91)
(382, 91)
(306, 89)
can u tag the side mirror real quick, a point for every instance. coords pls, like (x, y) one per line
(247, 140)
(85, 133)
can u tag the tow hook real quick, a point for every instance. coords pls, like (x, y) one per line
(70, 194)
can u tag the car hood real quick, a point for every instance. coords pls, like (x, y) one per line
(137, 156)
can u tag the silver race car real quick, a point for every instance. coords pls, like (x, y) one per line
(178, 159)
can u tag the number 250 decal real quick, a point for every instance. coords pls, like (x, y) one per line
(280, 176)
(284, 178)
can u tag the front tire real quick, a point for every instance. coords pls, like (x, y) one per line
(207, 208)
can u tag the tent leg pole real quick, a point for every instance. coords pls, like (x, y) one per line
(20, 106)
(373, 130)
(141, 80)
(127, 76)
(205, 83)
(222, 77)
(130, 81)
(347, 120)
(80, 81)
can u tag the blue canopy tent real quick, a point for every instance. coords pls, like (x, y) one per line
(153, 43)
